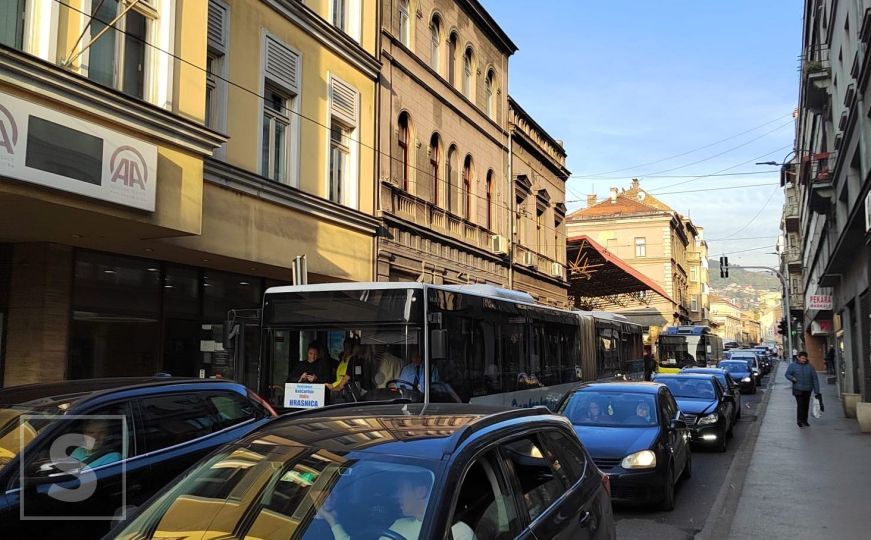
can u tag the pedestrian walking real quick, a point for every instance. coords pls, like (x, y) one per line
(830, 361)
(804, 380)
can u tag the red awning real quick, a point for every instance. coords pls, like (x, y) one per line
(595, 272)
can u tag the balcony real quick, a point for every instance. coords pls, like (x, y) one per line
(796, 302)
(791, 217)
(431, 217)
(818, 178)
(817, 79)
(793, 260)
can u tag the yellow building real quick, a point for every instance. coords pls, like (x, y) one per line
(158, 174)
(655, 240)
(697, 285)
(727, 318)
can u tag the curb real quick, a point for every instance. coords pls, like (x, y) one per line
(722, 513)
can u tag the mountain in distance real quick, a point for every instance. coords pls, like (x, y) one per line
(759, 280)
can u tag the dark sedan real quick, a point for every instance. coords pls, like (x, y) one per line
(727, 383)
(635, 434)
(741, 373)
(76, 455)
(707, 410)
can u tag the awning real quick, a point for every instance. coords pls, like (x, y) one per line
(598, 279)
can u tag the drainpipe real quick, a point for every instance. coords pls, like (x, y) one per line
(512, 212)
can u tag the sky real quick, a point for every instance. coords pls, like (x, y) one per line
(667, 91)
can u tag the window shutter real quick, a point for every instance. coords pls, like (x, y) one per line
(282, 65)
(217, 32)
(343, 99)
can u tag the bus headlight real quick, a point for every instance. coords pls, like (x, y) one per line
(644, 459)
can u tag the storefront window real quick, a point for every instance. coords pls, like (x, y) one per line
(181, 325)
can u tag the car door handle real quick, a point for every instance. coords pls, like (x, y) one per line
(585, 518)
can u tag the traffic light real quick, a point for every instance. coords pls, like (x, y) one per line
(781, 327)
(724, 267)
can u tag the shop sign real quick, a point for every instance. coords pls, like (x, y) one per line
(819, 302)
(42, 146)
(821, 328)
(304, 395)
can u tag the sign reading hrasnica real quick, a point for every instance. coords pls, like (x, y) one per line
(42, 146)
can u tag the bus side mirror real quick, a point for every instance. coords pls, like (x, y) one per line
(437, 344)
(230, 331)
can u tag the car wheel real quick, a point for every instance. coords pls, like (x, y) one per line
(738, 415)
(667, 503)
(688, 468)
(721, 445)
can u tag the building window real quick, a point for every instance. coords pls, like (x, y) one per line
(404, 155)
(488, 215)
(340, 153)
(340, 14)
(276, 128)
(117, 58)
(12, 23)
(694, 274)
(216, 74)
(467, 73)
(451, 179)
(404, 24)
(489, 94)
(434, 160)
(452, 59)
(342, 173)
(695, 304)
(641, 247)
(435, 43)
(467, 188)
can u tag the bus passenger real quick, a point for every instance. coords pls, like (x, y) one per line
(313, 369)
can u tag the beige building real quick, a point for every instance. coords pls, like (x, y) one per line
(190, 164)
(697, 285)
(727, 318)
(447, 129)
(751, 330)
(655, 240)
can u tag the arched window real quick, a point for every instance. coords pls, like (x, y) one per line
(452, 178)
(404, 154)
(467, 73)
(435, 42)
(404, 24)
(452, 59)
(434, 160)
(488, 214)
(466, 201)
(489, 94)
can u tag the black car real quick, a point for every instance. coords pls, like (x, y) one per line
(753, 359)
(94, 448)
(636, 436)
(727, 383)
(390, 470)
(707, 410)
(741, 373)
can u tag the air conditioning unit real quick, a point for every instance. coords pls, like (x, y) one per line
(499, 244)
(556, 270)
(529, 259)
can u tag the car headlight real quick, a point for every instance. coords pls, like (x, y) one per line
(644, 459)
(709, 419)
(746, 379)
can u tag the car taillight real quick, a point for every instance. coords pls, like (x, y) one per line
(606, 483)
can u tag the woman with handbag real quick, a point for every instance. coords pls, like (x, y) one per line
(804, 380)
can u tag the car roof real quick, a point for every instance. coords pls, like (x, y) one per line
(638, 387)
(683, 375)
(425, 431)
(76, 390)
(711, 370)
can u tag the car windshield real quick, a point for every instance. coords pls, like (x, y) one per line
(271, 491)
(17, 428)
(734, 366)
(597, 408)
(689, 388)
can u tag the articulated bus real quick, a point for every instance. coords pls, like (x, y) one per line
(682, 346)
(477, 343)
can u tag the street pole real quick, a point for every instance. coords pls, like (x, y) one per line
(785, 285)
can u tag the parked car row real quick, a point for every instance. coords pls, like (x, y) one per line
(353, 471)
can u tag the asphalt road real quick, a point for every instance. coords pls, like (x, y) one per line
(694, 497)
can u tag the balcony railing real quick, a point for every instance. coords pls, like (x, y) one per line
(796, 302)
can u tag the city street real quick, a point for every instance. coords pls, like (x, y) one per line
(696, 496)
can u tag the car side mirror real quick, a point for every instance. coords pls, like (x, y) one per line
(678, 424)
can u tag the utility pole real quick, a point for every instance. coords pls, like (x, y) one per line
(785, 285)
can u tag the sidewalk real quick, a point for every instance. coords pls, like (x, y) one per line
(805, 483)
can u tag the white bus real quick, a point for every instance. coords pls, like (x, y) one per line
(477, 343)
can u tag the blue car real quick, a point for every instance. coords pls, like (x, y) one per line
(635, 434)
(741, 373)
(707, 410)
(729, 386)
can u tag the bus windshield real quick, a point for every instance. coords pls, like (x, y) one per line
(678, 351)
(360, 344)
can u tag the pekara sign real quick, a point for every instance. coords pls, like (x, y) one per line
(42, 146)
(819, 302)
